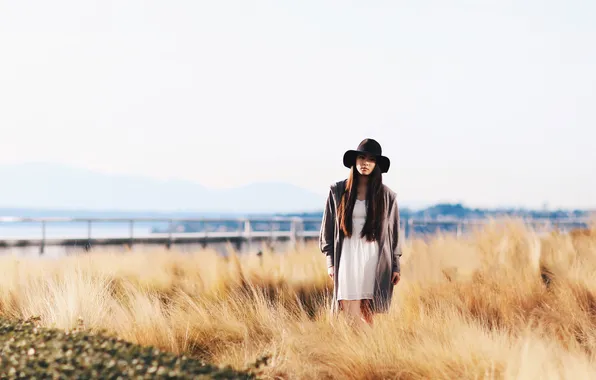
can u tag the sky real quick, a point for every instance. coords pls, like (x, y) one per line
(489, 103)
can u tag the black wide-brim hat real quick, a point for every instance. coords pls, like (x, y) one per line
(368, 146)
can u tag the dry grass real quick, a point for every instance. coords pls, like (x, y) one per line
(504, 302)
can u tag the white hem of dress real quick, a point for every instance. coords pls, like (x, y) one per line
(356, 297)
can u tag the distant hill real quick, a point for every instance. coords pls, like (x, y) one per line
(459, 211)
(440, 212)
(47, 186)
(46, 190)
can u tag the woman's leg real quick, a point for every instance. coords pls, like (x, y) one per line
(366, 310)
(351, 308)
(359, 312)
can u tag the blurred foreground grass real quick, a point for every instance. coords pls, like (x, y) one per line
(28, 350)
(502, 302)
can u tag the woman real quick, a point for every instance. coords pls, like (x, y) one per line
(360, 236)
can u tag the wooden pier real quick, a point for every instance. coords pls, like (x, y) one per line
(244, 236)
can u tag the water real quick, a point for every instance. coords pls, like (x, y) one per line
(75, 230)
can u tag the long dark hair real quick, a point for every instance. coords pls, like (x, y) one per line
(375, 204)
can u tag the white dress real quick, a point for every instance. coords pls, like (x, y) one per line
(358, 261)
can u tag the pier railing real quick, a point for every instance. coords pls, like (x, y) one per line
(245, 233)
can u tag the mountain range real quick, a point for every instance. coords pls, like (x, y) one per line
(40, 189)
(50, 186)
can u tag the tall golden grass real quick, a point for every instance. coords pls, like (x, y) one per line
(501, 303)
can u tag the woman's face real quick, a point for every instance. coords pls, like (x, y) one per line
(365, 164)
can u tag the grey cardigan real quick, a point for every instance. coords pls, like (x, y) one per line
(331, 238)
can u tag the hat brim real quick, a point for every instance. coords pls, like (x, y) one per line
(350, 160)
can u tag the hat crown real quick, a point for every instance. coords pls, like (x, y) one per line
(370, 146)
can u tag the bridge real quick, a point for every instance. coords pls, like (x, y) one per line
(245, 236)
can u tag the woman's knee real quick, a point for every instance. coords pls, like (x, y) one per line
(350, 305)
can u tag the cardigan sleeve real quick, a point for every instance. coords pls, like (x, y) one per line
(327, 233)
(395, 243)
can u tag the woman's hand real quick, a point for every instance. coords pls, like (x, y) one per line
(395, 278)
(330, 272)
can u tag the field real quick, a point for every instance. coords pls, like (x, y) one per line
(502, 303)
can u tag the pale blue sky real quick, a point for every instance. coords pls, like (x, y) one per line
(492, 103)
